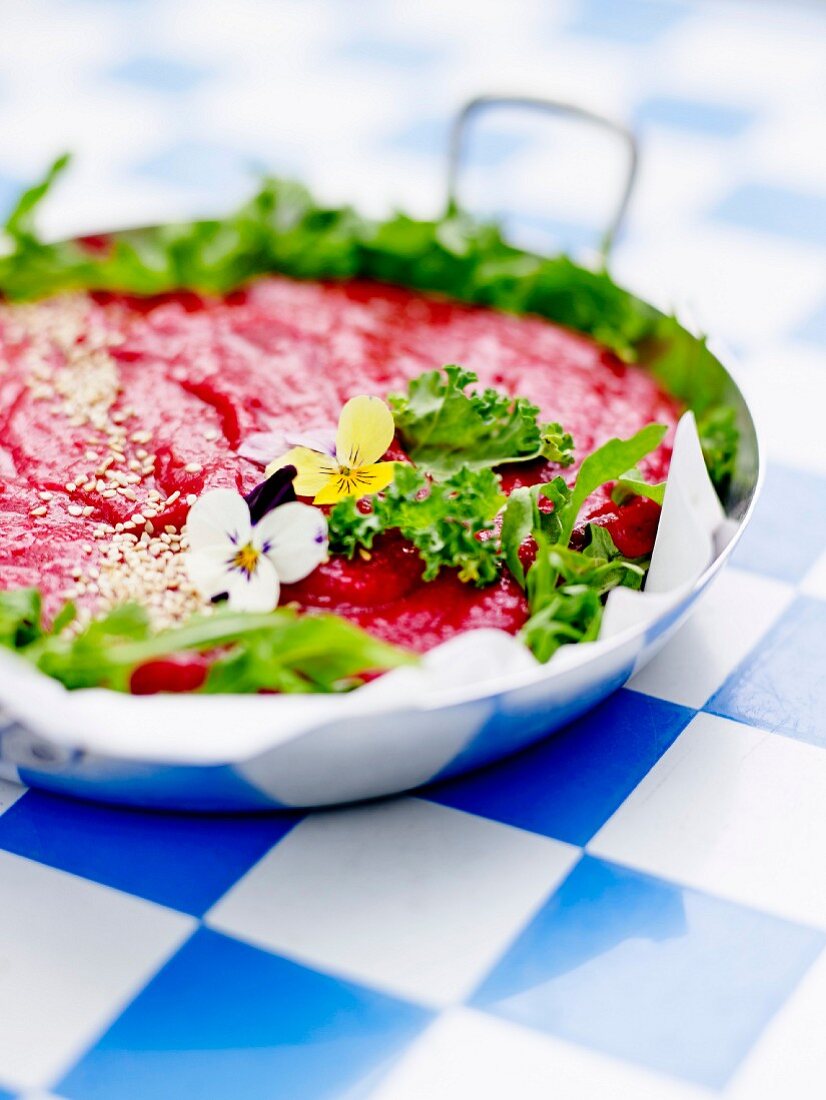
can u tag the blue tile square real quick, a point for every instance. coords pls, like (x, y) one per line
(787, 532)
(224, 1021)
(569, 785)
(797, 215)
(393, 53)
(813, 327)
(781, 685)
(646, 971)
(694, 116)
(487, 146)
(155, 73)
(627, 21)
(185, 861)
(200, 165)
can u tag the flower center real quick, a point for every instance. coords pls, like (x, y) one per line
(246, 559)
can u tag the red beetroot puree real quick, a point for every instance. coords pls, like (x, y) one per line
(202, 376)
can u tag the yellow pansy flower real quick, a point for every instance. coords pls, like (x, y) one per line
(365, 431)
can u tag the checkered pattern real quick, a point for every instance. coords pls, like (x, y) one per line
(637, 907)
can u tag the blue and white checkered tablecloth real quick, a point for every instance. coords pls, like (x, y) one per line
(634, 909)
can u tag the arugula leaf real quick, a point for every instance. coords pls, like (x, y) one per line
(445, 428)
(719, 440)
(281, 651)
(566, 587)
(607, 463)
(518, 522)
(442, 519)
(282, 228)
(632, 483)
(20, 617)
(572, 614)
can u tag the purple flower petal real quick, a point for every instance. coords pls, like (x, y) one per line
(322, 440)
(262, 447)
(277, 489)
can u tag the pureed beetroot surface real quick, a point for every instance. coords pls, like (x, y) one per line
(118, 411)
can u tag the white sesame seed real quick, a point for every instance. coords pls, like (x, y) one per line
(75, 510)
(39, 511)
(193, 468)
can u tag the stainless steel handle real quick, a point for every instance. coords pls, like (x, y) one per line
(481, 103)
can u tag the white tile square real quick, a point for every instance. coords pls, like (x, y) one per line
(790, 1059)
(734, 811)
(9, 794)
(407, 896)
(789, 415)
(467, 1053)
(740, 286)
(731, 618)
(814, 583)
(71, 954)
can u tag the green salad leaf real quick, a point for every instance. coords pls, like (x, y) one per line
(632, 483)
(20, 617)
(442, 519)
(280, 651)
(565, 587)
(283, 229)
(445, 428)
(566, 590)
(719, 440)
(607, 463)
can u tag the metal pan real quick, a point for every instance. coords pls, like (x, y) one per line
(349, 751)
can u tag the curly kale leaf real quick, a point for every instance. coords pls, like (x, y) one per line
(444, 520)
(445, 427)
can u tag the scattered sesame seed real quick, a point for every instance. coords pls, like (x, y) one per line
(75, 510)
(39, 511)
(193, 468)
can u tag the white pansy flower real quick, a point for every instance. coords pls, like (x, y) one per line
(249, 562)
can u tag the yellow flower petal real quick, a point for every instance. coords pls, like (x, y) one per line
(314, 469)
(365, 431)
(357, 483)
